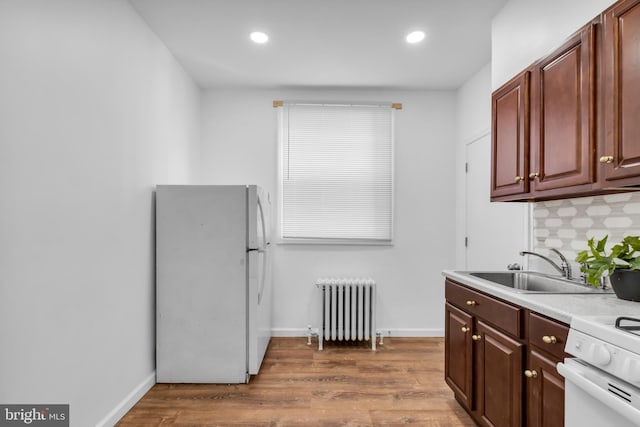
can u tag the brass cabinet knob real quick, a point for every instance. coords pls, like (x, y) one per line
(471, 303)
(465, 329)
(530, 373)
(519, 178)
(549, 339)
(606, 159)
(476, 337)
(534, 175)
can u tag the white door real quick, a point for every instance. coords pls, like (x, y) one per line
(495, 232)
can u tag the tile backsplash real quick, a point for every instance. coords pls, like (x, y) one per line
(567, 224)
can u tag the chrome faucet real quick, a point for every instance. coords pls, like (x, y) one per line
(564, 268)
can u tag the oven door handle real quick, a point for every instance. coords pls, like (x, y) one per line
(577, 377)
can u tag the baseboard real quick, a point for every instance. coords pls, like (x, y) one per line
(127, 403)
(289, 332)
(412, 332)
(387, 332)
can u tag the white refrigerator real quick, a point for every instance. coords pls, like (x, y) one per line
(213, 287)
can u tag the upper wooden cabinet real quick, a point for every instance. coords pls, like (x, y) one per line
(543, 125)
(620, 153)
(568, 126)
(510, 138)
(562, 116)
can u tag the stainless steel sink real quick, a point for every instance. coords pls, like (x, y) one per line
(533, 282)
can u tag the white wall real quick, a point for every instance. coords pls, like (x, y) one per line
(239, 146)
(502, 230)
(474, 106)
(94, 112)
(473, 118)
(524, 31)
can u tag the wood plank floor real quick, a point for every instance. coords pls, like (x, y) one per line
(343, 385)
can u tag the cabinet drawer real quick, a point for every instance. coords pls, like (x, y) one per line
(548, 335)
(501, 314)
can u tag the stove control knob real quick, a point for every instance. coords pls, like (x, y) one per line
(600, 355)
(631, 369)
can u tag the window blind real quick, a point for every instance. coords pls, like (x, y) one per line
(337, 172)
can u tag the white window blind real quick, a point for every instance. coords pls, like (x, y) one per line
(337, 172)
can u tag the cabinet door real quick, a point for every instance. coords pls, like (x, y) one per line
(545, 391)
(562, 125)
(510, 137)
(621, 56)
(458, 364)
(499, 377)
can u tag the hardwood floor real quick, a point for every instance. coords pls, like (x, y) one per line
(343, 385)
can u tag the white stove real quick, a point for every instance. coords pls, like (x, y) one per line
(602, 384)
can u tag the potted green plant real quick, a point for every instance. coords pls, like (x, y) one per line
(622, 265)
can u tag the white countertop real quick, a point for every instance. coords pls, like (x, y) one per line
(561, 307)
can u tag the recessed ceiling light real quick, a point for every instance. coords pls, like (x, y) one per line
(415, 37)
(259, 37)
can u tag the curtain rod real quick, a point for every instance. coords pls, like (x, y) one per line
(394, 105)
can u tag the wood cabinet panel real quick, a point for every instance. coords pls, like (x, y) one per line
(503, 378)
(568, 125)
(501, 314)
(499, 377)
(545, 391)
(549, 335)
(459, 354)
(562, 129)
(621, 64)
(510, 137)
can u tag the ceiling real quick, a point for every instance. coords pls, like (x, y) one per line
(325, 43)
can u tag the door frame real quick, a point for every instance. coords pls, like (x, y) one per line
(527, 228)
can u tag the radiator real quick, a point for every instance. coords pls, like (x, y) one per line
(348, 310)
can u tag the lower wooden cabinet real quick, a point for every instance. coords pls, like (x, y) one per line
(459, 354)
(545, 391)
(503, 370)
(499, 377)
(546, 340)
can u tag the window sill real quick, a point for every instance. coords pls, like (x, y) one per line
(334, 242)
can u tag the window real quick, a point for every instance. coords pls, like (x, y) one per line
(336, 173)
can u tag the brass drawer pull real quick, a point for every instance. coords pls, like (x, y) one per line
(606, 159)
(534, 175)
(471, 303)
(476, 337)
(465, 329)
(549, 339)
(530, 373)
(519, 178)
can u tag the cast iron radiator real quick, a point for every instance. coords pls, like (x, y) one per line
(348, 310)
